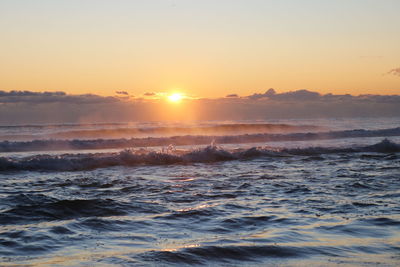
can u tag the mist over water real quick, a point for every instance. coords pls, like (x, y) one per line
(160, 131)
(304, 193)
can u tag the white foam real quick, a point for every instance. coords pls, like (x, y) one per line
(130, 157)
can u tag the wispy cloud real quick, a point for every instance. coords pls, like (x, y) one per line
(395, 72)
(232, 95)
(121, 92)
(52, 97)
(149, 94)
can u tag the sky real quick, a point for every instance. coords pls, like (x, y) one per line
(202, 48)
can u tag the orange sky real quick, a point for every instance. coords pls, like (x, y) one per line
(201, 48)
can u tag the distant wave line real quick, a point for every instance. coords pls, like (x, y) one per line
(54, 145)
(137, 131)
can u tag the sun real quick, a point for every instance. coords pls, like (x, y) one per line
(175, 97)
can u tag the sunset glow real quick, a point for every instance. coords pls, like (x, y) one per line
(199, 132)
(215, 48)
(175, 97)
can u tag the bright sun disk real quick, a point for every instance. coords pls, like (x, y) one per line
(176, 97)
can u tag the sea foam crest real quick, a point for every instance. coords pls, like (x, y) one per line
(76, 162)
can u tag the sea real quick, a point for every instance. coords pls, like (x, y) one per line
(321, 192)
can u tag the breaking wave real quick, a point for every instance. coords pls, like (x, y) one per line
(77, 144)
(77, 162)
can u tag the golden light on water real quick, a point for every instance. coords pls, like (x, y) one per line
(175, 97)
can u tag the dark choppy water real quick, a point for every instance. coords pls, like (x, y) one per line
(317, 207)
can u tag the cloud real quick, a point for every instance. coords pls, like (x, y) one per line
(299, 95)
(51, 97)
(149, 94)
(231, 96)
(123, 95)
(121, 92)
(270, 93)
(300, 104)
(17, 107)
(395, 72)
(30, 93)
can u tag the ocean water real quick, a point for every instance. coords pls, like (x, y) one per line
(237, 193)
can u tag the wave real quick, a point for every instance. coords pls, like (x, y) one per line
(77, 162)
(201, 255)
(110, 131)
(228, 254)
(29, 208)
(61, 209)
(53, 144)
